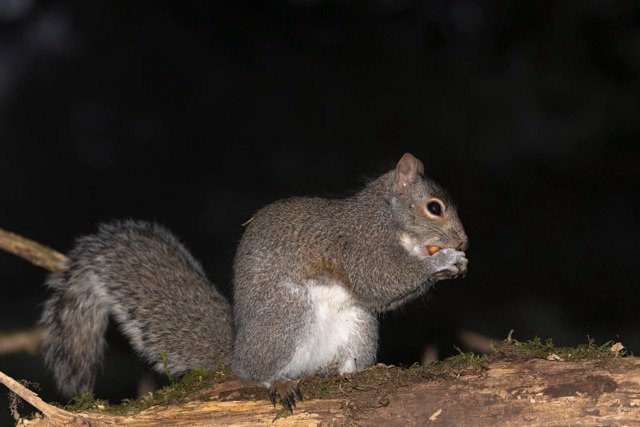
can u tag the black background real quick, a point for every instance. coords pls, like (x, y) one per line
(195, 115)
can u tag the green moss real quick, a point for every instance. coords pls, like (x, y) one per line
(190, 387)
(165, 365)
(86, 402)
(460, 363)
(536, 348)
(283, 413)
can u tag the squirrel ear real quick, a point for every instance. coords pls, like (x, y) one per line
(407, 172)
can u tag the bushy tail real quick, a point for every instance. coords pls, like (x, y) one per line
(141, 276)
(75, 321)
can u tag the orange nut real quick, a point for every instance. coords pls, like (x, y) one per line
(433, 249)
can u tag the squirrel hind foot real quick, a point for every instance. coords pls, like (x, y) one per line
(286, 392)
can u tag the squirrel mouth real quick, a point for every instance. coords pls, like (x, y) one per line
(412, 245)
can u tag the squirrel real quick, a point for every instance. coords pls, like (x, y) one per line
(310, 277)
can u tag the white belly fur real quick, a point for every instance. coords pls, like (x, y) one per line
(333, 336)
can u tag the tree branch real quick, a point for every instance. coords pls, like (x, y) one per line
(55, 415)
(34, 252)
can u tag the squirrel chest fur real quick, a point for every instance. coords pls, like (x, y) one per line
(310, 276)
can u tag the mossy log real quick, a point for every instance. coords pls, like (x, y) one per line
(505, 392)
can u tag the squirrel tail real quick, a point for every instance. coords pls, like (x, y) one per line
(75, 321)
(143, 278)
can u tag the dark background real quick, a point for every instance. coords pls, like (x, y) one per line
(195, 115)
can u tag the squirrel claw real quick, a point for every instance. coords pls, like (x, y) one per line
(287, 392)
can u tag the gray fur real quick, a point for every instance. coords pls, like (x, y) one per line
(143, 277)
(311, 275)
(354, 242)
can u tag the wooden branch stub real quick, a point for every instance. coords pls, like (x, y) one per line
(27, 341)
(34, 252)
(54, 415)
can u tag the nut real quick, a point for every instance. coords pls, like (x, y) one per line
(433, 249)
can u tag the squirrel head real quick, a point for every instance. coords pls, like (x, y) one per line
(424, 213)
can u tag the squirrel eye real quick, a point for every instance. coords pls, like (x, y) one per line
(434, 208)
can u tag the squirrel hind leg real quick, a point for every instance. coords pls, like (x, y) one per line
(74, 339)
(286, 392)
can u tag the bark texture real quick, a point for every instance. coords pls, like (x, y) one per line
(532, 392)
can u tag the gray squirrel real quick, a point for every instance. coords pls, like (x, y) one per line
(310, 276)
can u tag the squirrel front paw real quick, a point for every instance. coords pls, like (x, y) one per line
(449, 263)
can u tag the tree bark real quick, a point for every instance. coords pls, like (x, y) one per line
(534, 392)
